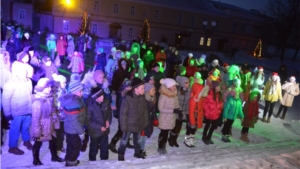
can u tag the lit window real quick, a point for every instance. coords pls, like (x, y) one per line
(145, 14)
(22, 14)
(96, 5)
(116, 8)
(193, 22)
(208, 41)
(94, 28)
(180, 20)
(130, 32)
(201, 41)
(156, 14)
(132, 10)
(66, 25)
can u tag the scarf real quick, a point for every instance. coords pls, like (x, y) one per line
(273, 88)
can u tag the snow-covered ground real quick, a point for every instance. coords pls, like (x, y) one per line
(273, 145)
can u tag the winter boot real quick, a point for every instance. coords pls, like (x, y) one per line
(112, 144)
(175, 140)
(28, 145)
(160, 146)
(54, 156)
(244, 137)
(277, 115)
(264, 119)
(121, 157)
(187, 141)
(140, 154)
(72, 163)
(36, 156)
(205, 140)
(171, 140)
(225, 139)
(192, 140)
(269, 120)
(85, 141)
(164, 148)
(283, 116)
(15, 151)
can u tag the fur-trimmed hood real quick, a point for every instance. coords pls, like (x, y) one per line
(165, 91)
(120, 65)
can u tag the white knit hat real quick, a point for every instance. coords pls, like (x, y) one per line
(168, 82)
(181, 80)
(59, 78)
(190, 55)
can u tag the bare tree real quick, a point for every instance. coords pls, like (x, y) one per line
(282, 18)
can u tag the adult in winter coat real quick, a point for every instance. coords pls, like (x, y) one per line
(172, 62)
(81, 44)
(233, 98)
(133, 118)
(71, 46)
(11, 48)
(168, 106)
(195, 113)
(26, 41)
(16, 102)
(61, 46)
(271, 94)
(191, 69)
(98, 122)
(161, 56)
(251, 111)
(212, 108)
(44, 121)
(74, 109)
(152, 117)
(135, 53)
(148, 59)
(184, 92)
(100, 60)
(291, 89)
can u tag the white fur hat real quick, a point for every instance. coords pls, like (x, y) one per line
(168, 82)
(190, 55)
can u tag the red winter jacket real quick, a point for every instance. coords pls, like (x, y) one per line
(191, 70)
(212, 109)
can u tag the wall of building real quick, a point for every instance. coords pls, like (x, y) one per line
(17, 16)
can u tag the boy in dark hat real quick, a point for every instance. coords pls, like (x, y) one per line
(133, 118)
(98, 122)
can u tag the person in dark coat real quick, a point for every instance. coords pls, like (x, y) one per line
(173, 61)
(11, 48)
(80, 44)
(17, 41)
(283, 74)
(98, 121)
(26, 41)
(100, 60)
(133, 118)
(152, 117)
(204, 71)
(119, 75)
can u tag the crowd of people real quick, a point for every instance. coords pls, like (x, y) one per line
(143, 86)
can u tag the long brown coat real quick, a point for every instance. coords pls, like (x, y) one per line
(291, 89)
(44, 119)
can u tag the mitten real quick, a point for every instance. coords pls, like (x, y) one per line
(155, 122)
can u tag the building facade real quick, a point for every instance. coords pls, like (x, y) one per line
(198, 24)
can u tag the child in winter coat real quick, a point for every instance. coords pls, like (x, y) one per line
(232, 107)
(100, 60)
(74, 109)
(140, 71)
(49, 68)
(98, 121)
(271, 94)
(291, 89)
(44, 121)
(195, 113)
(183, 97)
(212, 108)
(61, 46)
(152, 118)
(168, 107)
(77, 63)
(251, 111)
(51, 46)
(191, 69)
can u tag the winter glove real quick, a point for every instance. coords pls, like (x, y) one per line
(155, 122)
(179, 113)
(9, 117)
(82, 136)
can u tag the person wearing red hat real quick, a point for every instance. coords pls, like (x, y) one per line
(271, 94)
(258, 79)
(291, 89)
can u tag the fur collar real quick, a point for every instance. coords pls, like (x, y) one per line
(165, 91)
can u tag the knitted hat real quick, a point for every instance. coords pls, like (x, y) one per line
(253, 94)
(190, 55)
(148, 77)
(260, 68)
(136, 82)
(46, 59)
(42, 84)
(75, 77)
(168, 82)
(75, 86)
(214, 84)
(274, 74)
(181, 80)
(22, 55)
(126, 83)
(215, 60)
(197, 75)
(225, 64)
(96, 92)
(148, 87)
(155, 65)
(59, 78)
(293, 78)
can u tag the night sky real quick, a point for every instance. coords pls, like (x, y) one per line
(246, 4)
